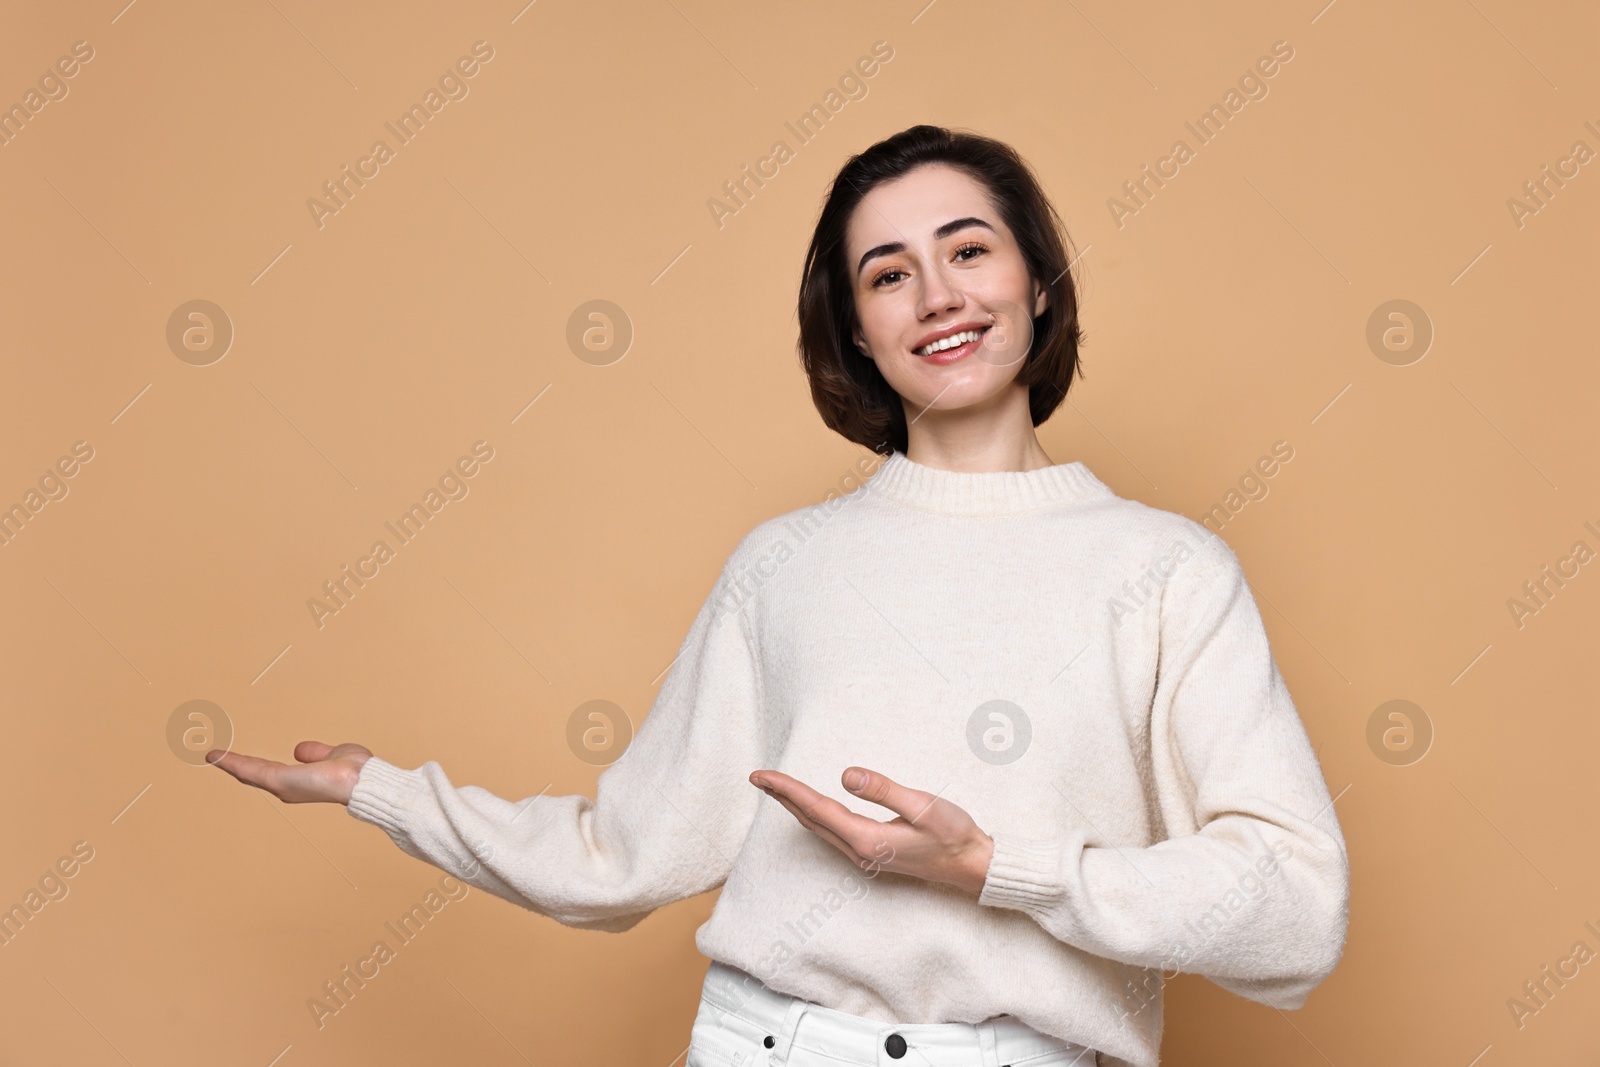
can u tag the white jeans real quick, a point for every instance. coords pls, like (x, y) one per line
(742, 1023)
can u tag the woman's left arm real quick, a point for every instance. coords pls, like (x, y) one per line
(1251, 888)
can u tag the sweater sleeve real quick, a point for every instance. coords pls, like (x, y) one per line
(1251, 886)
(667, 819)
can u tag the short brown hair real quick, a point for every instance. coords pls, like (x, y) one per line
(853, 397)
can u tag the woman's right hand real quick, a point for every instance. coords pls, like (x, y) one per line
(329, 772)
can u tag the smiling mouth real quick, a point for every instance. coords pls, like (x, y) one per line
(955, 340)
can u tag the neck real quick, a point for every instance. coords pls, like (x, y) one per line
(998, 437)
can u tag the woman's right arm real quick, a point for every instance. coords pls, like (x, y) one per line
(667, 819)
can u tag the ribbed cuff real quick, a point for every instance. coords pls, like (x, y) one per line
(382, 794)
(1024, 873)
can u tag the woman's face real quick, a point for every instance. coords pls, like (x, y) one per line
(931, 258)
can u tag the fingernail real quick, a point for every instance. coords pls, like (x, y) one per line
(854, 779)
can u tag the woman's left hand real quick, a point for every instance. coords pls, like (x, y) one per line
(933, 839)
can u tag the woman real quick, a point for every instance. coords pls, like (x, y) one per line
(1066, 698)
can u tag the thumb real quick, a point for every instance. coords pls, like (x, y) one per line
(870, 785)
(312, 751)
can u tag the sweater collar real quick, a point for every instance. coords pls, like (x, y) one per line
(988, 493)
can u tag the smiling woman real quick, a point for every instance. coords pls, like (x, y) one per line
(917, 212)
(1042, 867)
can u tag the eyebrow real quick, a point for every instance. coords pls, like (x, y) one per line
(938, 235)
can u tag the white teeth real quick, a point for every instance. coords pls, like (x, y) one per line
(953, 341)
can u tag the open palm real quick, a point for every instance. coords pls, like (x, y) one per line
(326, 773)
(933, 839)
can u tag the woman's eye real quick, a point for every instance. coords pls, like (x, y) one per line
(887, 277)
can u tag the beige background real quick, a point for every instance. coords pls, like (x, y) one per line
(1228, 313)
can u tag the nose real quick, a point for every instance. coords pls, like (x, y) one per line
(937, 295)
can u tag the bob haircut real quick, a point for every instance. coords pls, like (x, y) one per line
(851, 394)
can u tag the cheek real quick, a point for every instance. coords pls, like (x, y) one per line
(882, 321)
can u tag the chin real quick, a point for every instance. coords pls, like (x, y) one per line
(960, 395)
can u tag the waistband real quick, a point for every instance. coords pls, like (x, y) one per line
(792, 1022)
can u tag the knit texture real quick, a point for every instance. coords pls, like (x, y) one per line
(1087, 676)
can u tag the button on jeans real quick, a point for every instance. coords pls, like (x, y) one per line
(742, 1023)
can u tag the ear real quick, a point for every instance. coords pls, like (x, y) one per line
(861, 341)
(1041, 299)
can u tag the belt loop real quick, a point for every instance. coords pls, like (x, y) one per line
(785, 1035)
(987, 1050)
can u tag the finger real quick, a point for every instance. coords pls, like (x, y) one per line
(790, 786)
(817, 808)
(880, 789)
(251, 770)
(861, 833)
(312, 751)
(796, 808)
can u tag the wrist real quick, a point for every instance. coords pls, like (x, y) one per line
(977, 866)
(352, 775)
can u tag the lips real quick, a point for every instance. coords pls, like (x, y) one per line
(951, 337)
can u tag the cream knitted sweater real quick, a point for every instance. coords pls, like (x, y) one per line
(1086, 675)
